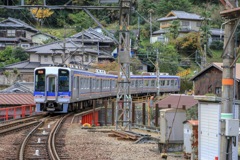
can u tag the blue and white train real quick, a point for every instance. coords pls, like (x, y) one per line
(62, 89)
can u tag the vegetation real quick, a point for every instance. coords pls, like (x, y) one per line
(12, 55)
(64, 23)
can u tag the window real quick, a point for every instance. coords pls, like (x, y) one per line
(185, 23)
(199, 24)
(86, 58)
(11, 33)
(152, 83)
(25, 45)
(63, 80)
(218, 90)
(2, 45)
(40, 80)
(45, 58)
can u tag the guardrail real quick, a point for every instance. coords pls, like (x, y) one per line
(15, 112)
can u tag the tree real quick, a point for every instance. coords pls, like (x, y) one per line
(174, 29)
(168, 56)
(165, 6)
(107, 66)
(19, 53)
(6, 57)
(81, 19)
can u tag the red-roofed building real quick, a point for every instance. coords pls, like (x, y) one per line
(16, 99)
(209, 80)
(178, 101)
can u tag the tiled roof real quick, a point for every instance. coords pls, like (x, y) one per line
(219, 66)
(16, 99)
(180, 15)
(25, 65)
(178, 101)
(19, 87)
(90, 35)
(16, 24)
(59, 47)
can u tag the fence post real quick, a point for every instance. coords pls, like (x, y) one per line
(143, 113)
(156, 115)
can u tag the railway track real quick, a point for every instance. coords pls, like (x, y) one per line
(42, 143)
(18, 125)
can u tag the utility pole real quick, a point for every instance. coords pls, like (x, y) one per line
(232, 21)
(158, 79)
(123, 118)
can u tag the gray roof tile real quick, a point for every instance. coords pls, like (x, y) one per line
(180, 15)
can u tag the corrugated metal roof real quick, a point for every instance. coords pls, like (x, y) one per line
(16, 99)
(178, 101)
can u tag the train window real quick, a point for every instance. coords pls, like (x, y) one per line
(136, 83)
(162, 82)
(176, 82)
(132, 83)
(140, 83)
(51, 84)
(146, 82)
(75, 82)
(93, 84)
(168, 82)
(152, 83)
(40, 80)
(113, 84)
(172, 82)
(63, 80)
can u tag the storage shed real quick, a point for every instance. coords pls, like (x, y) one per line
(190, 133)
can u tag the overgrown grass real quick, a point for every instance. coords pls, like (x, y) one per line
(59, 32)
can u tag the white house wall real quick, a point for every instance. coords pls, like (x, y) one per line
(34, 57)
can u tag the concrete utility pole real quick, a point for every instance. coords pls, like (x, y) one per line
(227, 74)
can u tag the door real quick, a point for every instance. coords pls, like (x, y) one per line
(51, 88)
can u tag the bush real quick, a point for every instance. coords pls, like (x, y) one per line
(216, 45)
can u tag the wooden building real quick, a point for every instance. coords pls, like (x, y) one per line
(209, 80)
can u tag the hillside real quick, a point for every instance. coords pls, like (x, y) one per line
(63, 23)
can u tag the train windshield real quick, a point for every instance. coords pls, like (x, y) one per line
(63, 80)
(40, 80)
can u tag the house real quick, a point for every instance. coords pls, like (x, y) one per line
(14, 32)
(19, 87)
(209, 80)
(189, 22)
(95, 39)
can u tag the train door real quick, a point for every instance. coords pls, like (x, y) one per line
(75, 89)
(51, 87)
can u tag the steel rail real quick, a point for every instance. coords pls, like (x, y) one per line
(51, 139)
(21, 152)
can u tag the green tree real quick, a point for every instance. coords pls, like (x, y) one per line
(19, 53)
(81, 19)
(174, 29)
(168, 56)
(165, 6)
(7, 57)
(205, 32)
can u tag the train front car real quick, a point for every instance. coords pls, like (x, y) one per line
(52, 91)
